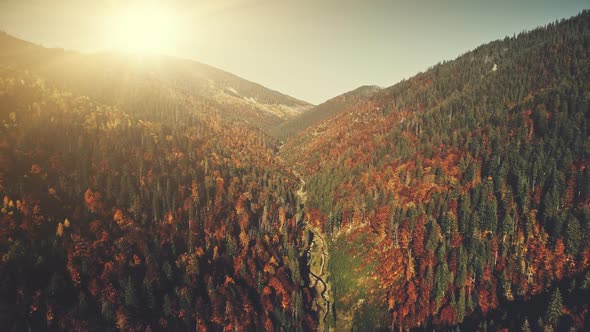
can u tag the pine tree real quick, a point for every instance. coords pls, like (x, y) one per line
(554, 308)
(573, 235)
(525, 326)
(130, 296)
(167, 306)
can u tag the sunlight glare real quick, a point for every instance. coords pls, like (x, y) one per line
(143, 28)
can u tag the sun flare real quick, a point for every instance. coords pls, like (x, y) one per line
(143, 29)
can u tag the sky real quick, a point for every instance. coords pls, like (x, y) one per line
(310, 49)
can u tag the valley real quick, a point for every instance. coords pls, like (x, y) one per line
(170, 195)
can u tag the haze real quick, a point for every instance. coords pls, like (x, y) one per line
(311, 50)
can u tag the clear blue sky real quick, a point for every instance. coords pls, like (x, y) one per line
(310, 49)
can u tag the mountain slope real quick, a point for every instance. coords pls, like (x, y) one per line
(329, 109)
(111, 220)
(461, 189)
(145, 196)
(132, 82)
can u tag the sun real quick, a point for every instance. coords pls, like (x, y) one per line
(143, 28)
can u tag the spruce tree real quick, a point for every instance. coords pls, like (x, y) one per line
(526, 327)
(554, 308)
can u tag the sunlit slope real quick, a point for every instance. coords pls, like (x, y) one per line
(142, 81)
(109, 221)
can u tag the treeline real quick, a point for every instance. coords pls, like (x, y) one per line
(472, 179)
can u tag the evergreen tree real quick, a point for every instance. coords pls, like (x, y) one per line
(573, 235)
(525, 326)
(130, 296)
(554, 307)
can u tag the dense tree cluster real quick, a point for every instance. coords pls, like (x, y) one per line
(111, 220)
(146, 197)
(472, 177)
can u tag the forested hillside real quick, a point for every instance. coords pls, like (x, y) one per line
(110, 220)
(144, 194)
(461, 190)
(151, 84)
(346, 102)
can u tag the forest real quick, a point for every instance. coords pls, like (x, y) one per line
(110, 221)
(458, 199)
(461, 190)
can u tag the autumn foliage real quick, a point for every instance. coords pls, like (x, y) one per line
(464, 178)
(146, 225)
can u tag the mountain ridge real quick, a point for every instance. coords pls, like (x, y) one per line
(259, 105)
(324, 111)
